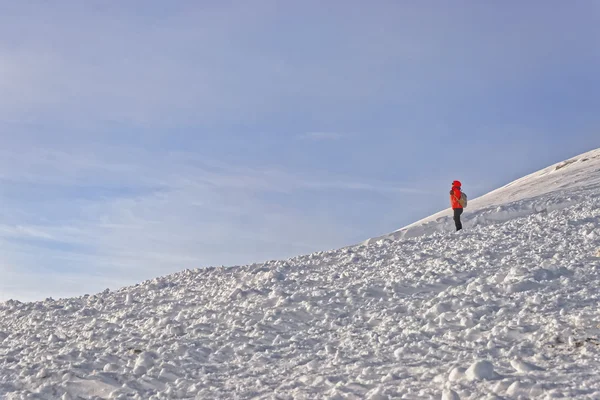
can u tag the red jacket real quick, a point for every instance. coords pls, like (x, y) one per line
(454, 197)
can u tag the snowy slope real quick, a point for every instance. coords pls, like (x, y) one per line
(555, 187)
(506, 310)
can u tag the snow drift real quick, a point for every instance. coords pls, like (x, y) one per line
(507, 308)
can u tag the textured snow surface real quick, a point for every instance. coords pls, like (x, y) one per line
(501, 310)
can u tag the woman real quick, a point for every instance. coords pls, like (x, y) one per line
(455, 194)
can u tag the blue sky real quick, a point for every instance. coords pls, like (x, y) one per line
(142, 138)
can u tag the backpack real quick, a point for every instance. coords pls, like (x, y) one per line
(463, 199)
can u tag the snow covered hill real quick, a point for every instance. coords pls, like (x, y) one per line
(552, 188)
(506, 309)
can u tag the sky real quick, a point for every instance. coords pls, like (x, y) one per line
(141, 138)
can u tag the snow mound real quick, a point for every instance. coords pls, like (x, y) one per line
(523, 366)
(420, 317)
(449, 394)
(481, 370)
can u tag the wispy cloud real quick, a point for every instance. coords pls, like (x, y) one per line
(372, 187)
(129, 215)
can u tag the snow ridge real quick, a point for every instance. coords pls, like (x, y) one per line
(554, 187)
(506, 309)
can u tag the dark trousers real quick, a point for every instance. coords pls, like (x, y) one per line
(457, 213)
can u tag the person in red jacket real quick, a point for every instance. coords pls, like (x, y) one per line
(455, 203)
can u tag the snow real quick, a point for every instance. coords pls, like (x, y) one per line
(552, 188)
(481, 369)
(449, 394)
(523, 366)
(508, 308)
